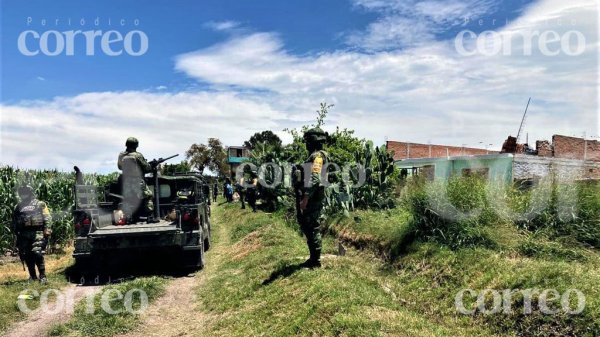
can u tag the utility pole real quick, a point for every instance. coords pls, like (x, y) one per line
(523, 120)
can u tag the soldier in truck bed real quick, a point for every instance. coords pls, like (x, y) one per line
(134, 187)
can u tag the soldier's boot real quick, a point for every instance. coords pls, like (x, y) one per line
(31, 268)
(315, 257)
(314, 261)
(41, 265)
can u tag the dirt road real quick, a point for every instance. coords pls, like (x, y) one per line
(39, 321)
(176, 313)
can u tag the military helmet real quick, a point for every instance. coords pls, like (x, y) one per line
(25, 190)
(315, 135)
(132, 142)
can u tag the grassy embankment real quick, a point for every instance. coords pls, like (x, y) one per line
(428, 275)
(13, 280)
(259, 288)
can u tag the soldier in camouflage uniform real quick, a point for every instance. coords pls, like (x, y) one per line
(135, 191)
(251, 189)
(313, 195)
(32, 225)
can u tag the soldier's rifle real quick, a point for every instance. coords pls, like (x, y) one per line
(298, 185)
(15, 249)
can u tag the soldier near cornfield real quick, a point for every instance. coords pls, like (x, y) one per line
(310, 194)
(136, 193)
(32, 225)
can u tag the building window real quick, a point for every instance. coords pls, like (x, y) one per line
(427, 171)
(527, 183)
(476, 172)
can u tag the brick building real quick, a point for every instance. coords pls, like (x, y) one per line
(575, 148)
(566, 159)
(406, 150)
(564, 147)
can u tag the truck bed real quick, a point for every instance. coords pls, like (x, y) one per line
(134, 229)
(143, 235)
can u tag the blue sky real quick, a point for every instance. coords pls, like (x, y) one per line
(235, 67)
(173, 27)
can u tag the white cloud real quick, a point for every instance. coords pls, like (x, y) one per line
(422, 93)
(90, 129)
(222, 25)
(427, 91)
(409, 23)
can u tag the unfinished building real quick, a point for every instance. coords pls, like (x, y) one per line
(565, 158)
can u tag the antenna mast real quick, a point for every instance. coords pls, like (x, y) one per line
(523, 121)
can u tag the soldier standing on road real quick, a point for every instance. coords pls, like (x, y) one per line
(241, 190)
(215, 191)
(251, 186)
(134, 167)
(32, 225)
(312, 196)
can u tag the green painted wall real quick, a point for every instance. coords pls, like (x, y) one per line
(499, 166)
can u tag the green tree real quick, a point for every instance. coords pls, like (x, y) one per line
(211, 156)
(198, 156)
(218, 157)
(266, 137)
(170, 169)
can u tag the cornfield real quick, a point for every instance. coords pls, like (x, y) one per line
(51, 186)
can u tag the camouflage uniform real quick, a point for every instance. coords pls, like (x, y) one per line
(241, 189)
(313, 195)
(32, 224)
(251, 192)
(134, 187)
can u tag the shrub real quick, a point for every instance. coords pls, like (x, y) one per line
(563, 209)
(454, 214)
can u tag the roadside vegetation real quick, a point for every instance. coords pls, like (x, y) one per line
(125, 316)
(53, 187)
(13, 281)
(444, 238)
(261, 286)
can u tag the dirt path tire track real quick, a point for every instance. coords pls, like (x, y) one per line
(176, 313)
(39, 322)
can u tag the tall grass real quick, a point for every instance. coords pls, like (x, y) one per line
(454, 212)
(459, 211)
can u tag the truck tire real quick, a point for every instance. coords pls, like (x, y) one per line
(194, 259)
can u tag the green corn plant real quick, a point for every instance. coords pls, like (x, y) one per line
(53, 187)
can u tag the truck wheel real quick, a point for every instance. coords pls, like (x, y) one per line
(194, 259)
